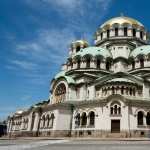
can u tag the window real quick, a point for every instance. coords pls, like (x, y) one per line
(48, 120)
(84, 119)
(60, 93)
(141, 63)
(77, 120)
(116, 31)
(148, 119)
(88, 62)
(122, 90)
(92, 118)
(108, 33)
(115, 108)
(140, 118)
(71, 64)
(125, 31)
(133, 64)
(78, 63)
(141, 35)
(101, 35)
(52, 120)
(134, 32)
(108, 65)
(78, 48)
(113, 90)
(131, 91)
(98, 64)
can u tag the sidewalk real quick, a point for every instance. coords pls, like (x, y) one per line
(76, 139)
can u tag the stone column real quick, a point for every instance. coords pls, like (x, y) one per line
(104, 35)
(120, 31)
(22, 124)
(144, 120)
(130, 31)
(144, 36)
(36, 122)
(138, 33)
(112, 32)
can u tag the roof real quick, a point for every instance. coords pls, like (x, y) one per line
(94, 51)
(142, 50)
(61, 74)
(120, 80)
(121, 20)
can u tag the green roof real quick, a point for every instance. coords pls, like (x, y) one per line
(142, 50)
(61, 74)
(93, 51)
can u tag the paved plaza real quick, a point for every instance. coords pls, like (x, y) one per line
(73, 145)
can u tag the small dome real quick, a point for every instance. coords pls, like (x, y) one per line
(121, 20)
(61, 74)
(94, 51)
(142, 50)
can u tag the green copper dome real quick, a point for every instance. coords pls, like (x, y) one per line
(94, 51)
(142, 50)
(61, 74)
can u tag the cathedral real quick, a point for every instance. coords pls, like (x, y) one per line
(102, 90)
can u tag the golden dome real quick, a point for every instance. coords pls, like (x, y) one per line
(81, 41)
(121, 20)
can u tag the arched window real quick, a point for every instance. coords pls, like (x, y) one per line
(108, 65)
(88, 61)
(92, 118)
(148, 118)
(113, 90)
(134, 91)
(84, 119)
(108, 33)
(77, 120)
(52, 120)
(140, 118)
(141, 63)
(133, 64)
(130, 91)
(127, 90)
(125, 31)
(71, 64)
(116, 31)
(134, 32)
(48, 120)
(122, 90)
(115, 108)
(78, 48)
(44, 121)
(141, 35)
(101, 35)
(78, 63)
(60, 93)
(98, 64)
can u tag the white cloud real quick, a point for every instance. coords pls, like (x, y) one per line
(70, 4)
(24, 64)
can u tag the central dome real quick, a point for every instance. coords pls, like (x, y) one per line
(121, 20)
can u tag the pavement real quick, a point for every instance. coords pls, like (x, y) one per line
(74, 144)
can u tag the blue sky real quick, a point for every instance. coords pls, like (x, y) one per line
(35, 37)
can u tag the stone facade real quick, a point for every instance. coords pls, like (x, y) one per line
(101, 91)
